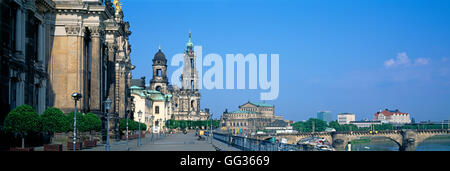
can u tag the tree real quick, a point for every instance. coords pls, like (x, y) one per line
(54, 120)
(319, 125)
(346, 127)
(123, 124)
(183, 124)
(23, 120)
(143, 126)
(299, 126)
(81, 123)
(92, 122)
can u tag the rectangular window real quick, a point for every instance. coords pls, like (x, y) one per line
(158, 72)
(157, 110)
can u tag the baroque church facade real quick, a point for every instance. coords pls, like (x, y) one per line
(169, 102)
(53, 48)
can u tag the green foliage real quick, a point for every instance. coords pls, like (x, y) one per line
(143, 127)
(319, 125)
(23, 119)
(346, 127)
(123, 124)
(132, 125)
(81, 123)
(54, 120)
(173, 124)
(383, 127)
(92, 122)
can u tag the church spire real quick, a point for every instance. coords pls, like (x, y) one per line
(190, 45)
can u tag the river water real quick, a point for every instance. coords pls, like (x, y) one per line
(437, 143)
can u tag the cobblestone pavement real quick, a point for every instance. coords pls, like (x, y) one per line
(170, 142)
(177, 142)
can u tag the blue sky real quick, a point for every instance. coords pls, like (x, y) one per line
(356, 56)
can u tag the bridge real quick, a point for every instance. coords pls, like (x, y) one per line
(407, 140)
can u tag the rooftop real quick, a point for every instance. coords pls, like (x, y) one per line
(261, 104)
(243, 112)
(388, 112)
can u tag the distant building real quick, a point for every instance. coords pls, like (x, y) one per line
(280, 126)
(345, 118)
(325, 116)
(392, 117)
(251, 117)
(365, 124)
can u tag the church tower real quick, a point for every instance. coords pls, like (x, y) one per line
(189, 74)
(189, 79)
(159, 81)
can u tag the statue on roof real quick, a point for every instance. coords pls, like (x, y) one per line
(118, 6)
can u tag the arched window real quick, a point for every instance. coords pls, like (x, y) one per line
(157, 110)
(158, 88)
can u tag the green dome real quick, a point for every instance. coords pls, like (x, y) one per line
(189, 44)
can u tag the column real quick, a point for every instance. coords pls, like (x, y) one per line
(21, 89)
(42, 95)
(41, 43)
(20, 37)
(96, 71)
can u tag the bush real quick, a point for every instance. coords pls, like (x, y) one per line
(23, 120)
(81, 123)
(123, 124)
(143, 127)
(132, 125)
(92, 122)
(54, 120)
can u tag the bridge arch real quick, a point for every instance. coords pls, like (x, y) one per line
(396, 140)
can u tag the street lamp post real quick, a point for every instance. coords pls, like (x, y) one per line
(75, 97)
(127, 129)
(139, 115)
(211, 133)
(159, 128)
(108, 103)
(153, 128)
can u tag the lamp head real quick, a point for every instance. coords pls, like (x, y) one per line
(76, 96)
(108, 103)
(140, 113)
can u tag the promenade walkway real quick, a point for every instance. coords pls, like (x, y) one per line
(170, 142)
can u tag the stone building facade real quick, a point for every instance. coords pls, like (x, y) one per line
(250, 117)
(392, 117)
(25, 29)
(153, 104)
(90, 55)
(53, 48)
